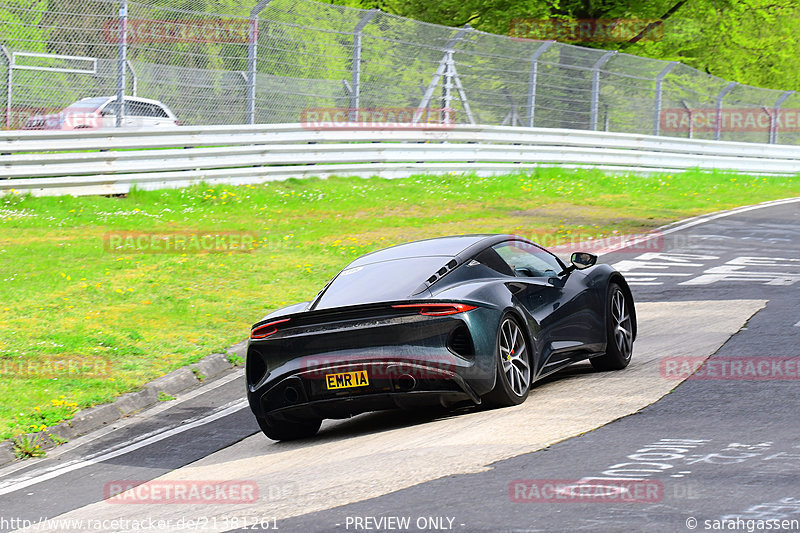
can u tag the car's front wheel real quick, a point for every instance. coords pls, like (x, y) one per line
(619, 332)
(513, 379)
(277, 429)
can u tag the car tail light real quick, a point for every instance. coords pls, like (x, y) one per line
(265, 330)
(437, 309)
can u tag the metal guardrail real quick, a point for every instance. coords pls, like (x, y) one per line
(111, 161)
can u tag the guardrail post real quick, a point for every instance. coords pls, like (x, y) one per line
(9, 83)
(773, 120)
(122, 47)
(596, 88)
(718, 126)
(355, 86)
(659, 91)
(534, 74)
(252, 56)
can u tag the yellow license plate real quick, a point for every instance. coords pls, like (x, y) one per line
(347, 379)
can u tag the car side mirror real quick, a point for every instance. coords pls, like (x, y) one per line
(581, 260)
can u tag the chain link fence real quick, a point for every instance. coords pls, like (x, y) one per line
(269, 61)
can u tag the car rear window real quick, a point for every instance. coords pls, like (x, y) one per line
(382, 281)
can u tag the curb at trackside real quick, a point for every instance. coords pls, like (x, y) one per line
(94, 418)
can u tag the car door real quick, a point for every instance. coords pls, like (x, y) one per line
(558, 302)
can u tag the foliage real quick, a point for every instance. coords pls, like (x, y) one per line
(749, 41)
(234, 359)
(26, 446)
(164, 397)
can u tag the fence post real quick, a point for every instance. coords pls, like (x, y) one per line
(596, 88)
(252, 56)
(355, 84)
(773, 126)
(534, 74)
(659, 90)
(122, 59)
(718, 126)
(9, 82)
(447, 85)
(691, 118)
(443, 69)
(134, 79)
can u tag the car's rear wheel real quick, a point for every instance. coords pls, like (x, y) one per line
(513, 379)
(288, 430)
(619, 332)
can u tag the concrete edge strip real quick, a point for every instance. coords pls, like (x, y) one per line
(94, 418)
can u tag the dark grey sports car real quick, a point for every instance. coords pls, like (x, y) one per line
(447, 321)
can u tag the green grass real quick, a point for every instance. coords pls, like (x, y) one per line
(124, 319)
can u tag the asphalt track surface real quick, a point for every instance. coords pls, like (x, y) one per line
(715, 449)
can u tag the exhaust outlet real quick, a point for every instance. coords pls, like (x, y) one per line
(406, 382)
(291, 394)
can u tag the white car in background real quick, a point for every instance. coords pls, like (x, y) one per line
(101, 112)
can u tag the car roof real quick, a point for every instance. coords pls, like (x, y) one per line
(436, 247)
(127, 97)
(412, 267)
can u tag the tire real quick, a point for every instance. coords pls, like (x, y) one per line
(513, 359)
(619, 331)
(288, 430)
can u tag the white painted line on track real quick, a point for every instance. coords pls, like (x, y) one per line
(694, 221)
(161, 435)
(86, 439)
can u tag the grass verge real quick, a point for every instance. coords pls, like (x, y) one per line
(81, 323)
